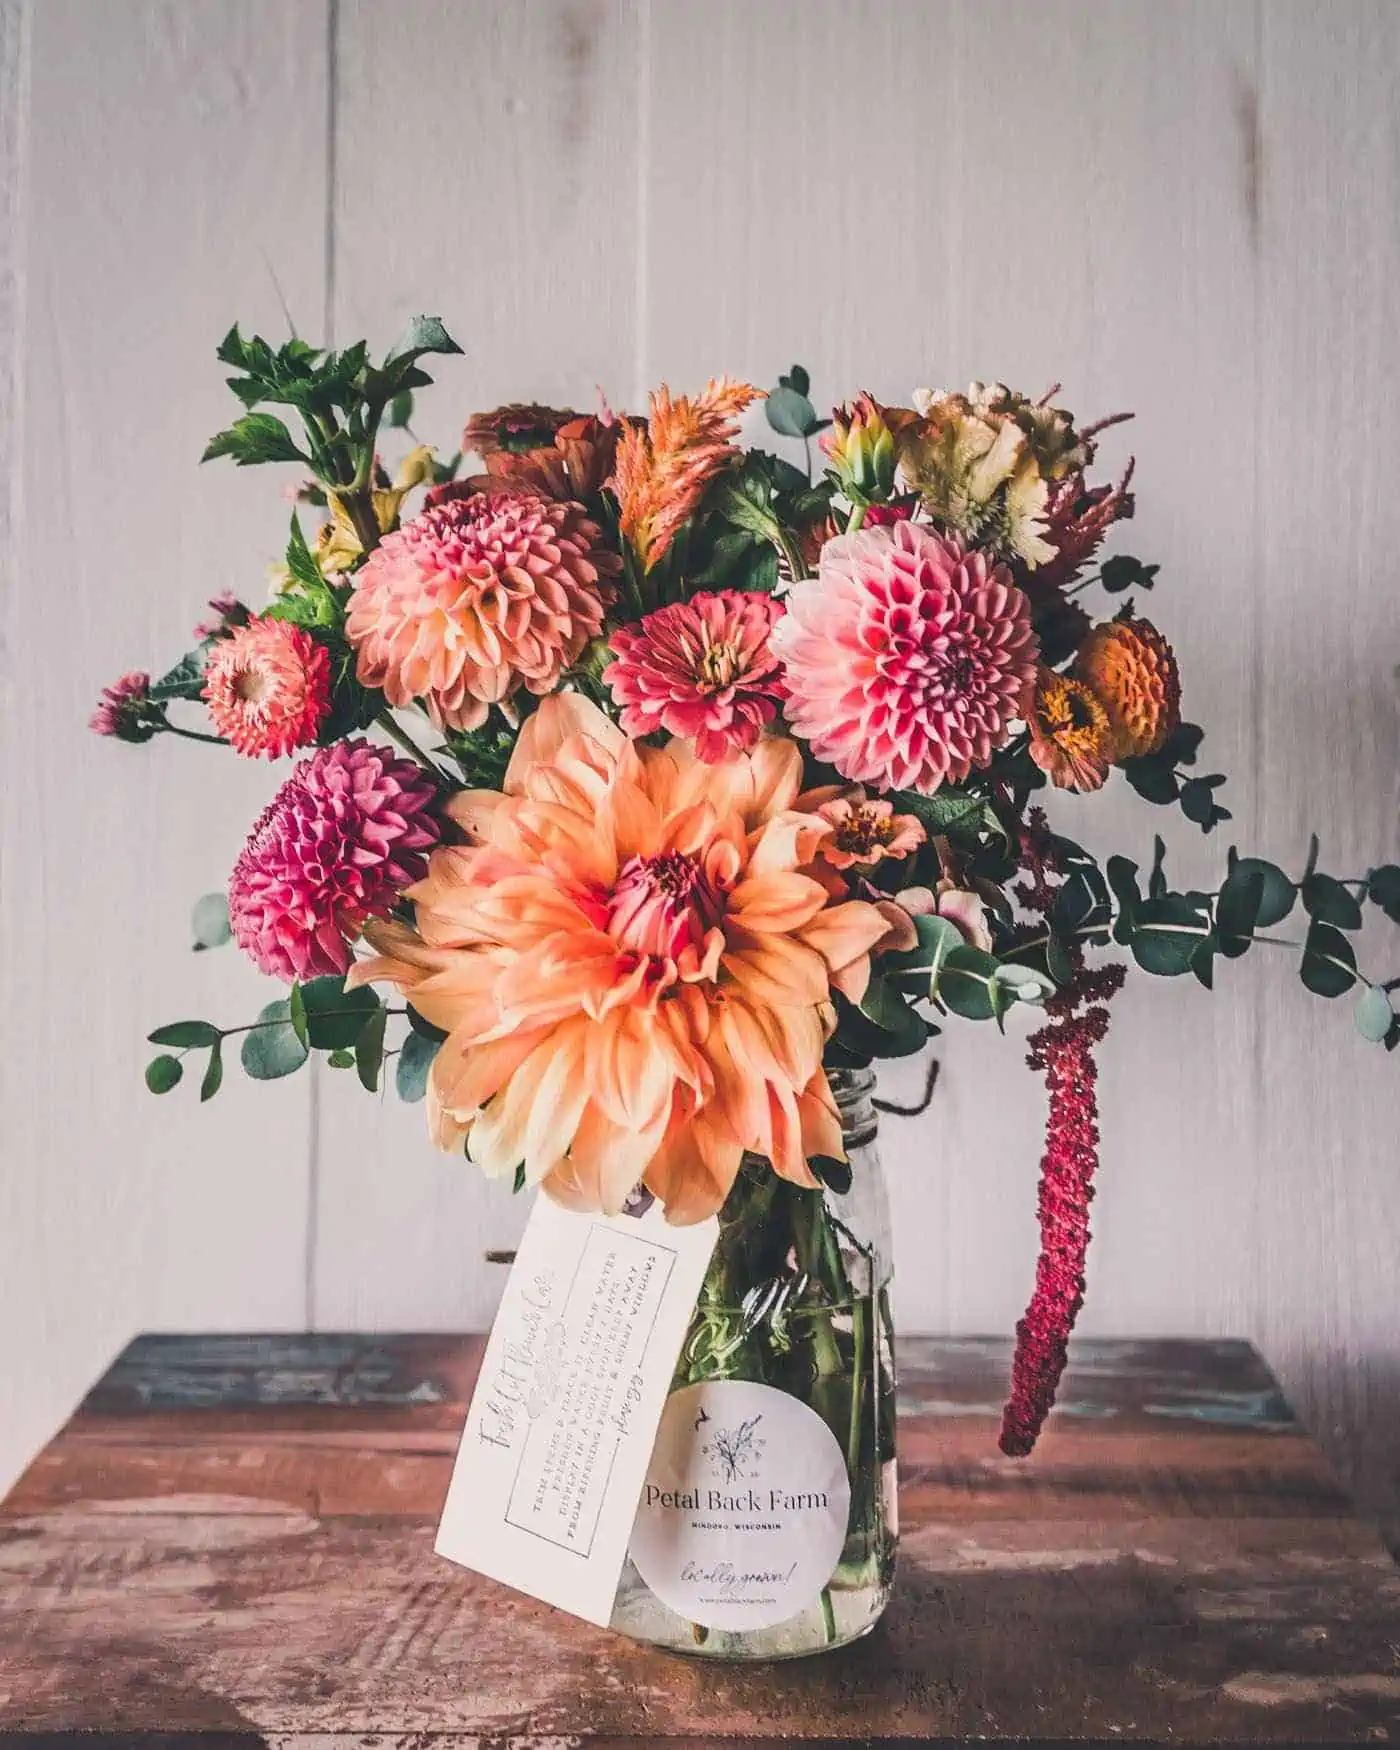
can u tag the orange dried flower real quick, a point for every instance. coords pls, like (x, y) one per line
(662, 471)
(1131, 668)
(1071, 735)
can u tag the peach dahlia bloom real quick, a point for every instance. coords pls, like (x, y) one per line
(480, 596)
(634, 978)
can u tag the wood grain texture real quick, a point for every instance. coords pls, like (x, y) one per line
(174, 161)
(485, 169)
(233, 1537)
(1188, 209)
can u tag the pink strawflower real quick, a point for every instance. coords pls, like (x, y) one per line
(267, 686)
(228, 612)
(906, 658)
(482, 594)
(337, 844)
(121, 709)
(703, 669)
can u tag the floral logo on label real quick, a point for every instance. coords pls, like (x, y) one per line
(735, 1452)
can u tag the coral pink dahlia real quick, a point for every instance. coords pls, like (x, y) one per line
(906, 658)
(336, 845)
(702, 669)
(267, 685)
(479, 596)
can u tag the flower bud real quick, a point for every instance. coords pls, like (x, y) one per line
(860, 448)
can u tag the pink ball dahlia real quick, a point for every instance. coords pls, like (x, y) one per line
(337, 844)
(267, 686)
(702, 669)
(479, 596)
(906, 658)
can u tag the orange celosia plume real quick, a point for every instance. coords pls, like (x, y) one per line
(634, 977)
(662, 471)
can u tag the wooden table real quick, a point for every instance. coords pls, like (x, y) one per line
(231, 1542)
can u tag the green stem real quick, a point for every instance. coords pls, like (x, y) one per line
(194, 735)
(857, 518)
(859, 1338)
(828, 1615)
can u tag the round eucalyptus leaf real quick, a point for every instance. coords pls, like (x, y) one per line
(1374, 1015)
(790, 413)
(335, 1017)
(1279, 892)
(414, 1061)
(272, 1050)
(163, 1073)
(1328, 966)
(209, 921)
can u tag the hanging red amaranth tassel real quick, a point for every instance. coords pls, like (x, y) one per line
(1076, 1020)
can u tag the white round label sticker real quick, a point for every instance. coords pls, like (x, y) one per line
(745, 1507)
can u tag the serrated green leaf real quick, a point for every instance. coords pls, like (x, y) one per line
(1279, 892)
(272, 1050)
(184, 681)
(335, 1017)
(213, 1073)
(737, 506)
(411, 1067)
(950, 811)
(256, 438)
(163, 1073)
(1374, 1015)
(1328, 966)
(300, 563)
(186, 1035)
(790, 413)
(369, 1050)
(1326, 899)
(209, 921)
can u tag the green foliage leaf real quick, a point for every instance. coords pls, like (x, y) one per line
(1153, 778)
(335, 1017)
(1328, 966)
(737, 505)
(835, 1175)
(902, 1031)
(1025, 984)
(1123, 879)
(424, 334)
(1123, 572)
(1167, 932)
(341, 1059)
(1279, 893)
(1326, 899)
(369, 1050)
(1374, 1015)
(1237, 910)
(272, 1050)
(411, 1067)
(209, 922)
(213, 1073)
(1198, 802)
(300, 562)
(420, 1024)
(163, 1073)
(790, 412)
(184, 681)
(950, 812)
(797, 380)
(400, 411)
(186, 1035)
(1383, 888)
(966, 984)
(256, 438)
(296, 1013)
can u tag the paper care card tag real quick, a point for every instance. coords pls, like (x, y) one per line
(565, 1413)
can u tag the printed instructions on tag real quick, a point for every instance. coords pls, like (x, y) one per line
(565, 1411)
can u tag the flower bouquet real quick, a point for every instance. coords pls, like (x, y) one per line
(668, 785)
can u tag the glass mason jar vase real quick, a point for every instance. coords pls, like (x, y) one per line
(768, 1521)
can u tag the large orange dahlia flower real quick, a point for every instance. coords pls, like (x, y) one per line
(634, 977)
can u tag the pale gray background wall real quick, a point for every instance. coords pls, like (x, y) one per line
(1191, 209)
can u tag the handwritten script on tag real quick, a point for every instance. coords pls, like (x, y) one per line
(560, 1431)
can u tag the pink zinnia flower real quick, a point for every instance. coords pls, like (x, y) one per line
(479, 596)
(907, 658)
(865, 830)
(121, 708)
(267, 686)
(337, 844)
(702, 669)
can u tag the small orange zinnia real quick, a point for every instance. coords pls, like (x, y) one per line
(663, 470)
(634, 978)
(1071, 736)
(1131, 668)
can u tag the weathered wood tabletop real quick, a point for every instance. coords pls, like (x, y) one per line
(232, 1541)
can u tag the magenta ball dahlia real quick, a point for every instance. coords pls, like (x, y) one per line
(906, 658)
(703, 669)
(337, 844)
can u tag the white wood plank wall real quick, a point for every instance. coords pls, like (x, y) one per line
(1191, 209)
